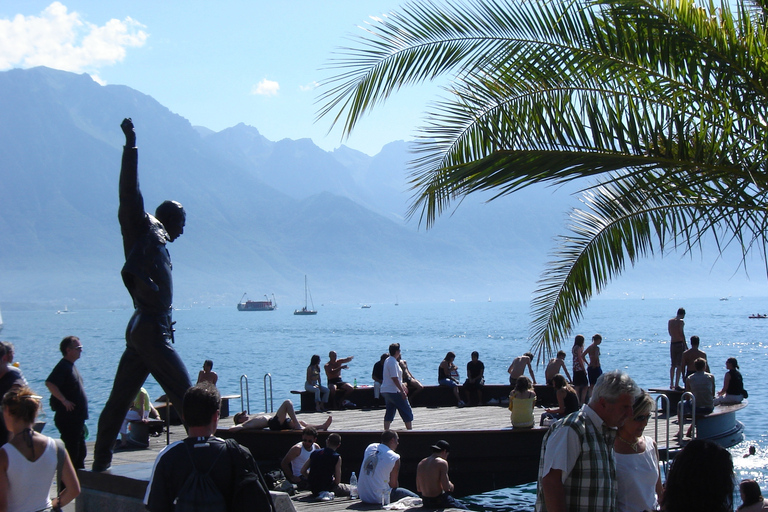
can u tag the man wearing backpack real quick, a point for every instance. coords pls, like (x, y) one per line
(204, 473)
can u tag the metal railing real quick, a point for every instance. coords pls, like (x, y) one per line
(681, 416)
(268, 379)
(663, 405)
(245, 398)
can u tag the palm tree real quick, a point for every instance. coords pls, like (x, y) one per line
(658, 107)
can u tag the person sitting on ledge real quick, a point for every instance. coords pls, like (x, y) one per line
(733, 385)
(432, 480)
(207, 374)
(284, 419)
(448, 375)
(702, 385)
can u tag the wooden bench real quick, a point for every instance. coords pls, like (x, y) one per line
(432, 396)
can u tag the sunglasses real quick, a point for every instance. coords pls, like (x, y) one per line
(644, 417)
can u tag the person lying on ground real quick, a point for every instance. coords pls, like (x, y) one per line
(284, 419)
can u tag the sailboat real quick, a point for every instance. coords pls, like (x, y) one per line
(305, 310)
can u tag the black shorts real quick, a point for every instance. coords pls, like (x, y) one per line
(676, 349)
(336, 381)
(274, 424)
(594, 374)
(445, 500)
(580, 378)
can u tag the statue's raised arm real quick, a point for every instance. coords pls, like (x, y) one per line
(130, 213)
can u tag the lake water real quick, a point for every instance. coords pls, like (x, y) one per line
(281, 344)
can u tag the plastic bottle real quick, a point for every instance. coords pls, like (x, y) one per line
(353, 487)
(355, 385)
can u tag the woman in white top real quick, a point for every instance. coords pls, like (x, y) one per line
(637, 461)
(315, 385)
(28, 461)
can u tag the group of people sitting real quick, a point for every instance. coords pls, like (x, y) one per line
(310, 467)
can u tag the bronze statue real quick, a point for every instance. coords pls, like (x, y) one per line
(147, 276)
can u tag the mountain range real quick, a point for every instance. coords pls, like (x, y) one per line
(260, 214)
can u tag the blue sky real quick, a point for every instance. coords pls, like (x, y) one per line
(214, 63)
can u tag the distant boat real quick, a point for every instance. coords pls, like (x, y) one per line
(758, 316)
(61, 311)
(365, 306)
(304, 310)
(257, 305)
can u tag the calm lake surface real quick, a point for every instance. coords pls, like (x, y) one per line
(281, 344)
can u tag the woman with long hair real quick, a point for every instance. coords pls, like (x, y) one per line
(700, 479)
(580, 381)
(733, 384)
(28, 461)
(637, 461)
(448, 375)
(314, 384)
(521, 402)
(567, 400)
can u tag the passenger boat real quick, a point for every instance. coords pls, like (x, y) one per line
(257, 305)
(758, 315)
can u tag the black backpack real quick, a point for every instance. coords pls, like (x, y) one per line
(250, 492)
(199, 492)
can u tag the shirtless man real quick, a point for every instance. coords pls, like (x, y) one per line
(554, 366)
(207, 374)
(298, 454)
(284, 419)
(432, 481)
(338, 387)
(592, 352)
(517, 368)
(690, 356)
(677, 346)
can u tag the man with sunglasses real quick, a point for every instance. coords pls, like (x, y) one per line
(299, 454)
(68, 400)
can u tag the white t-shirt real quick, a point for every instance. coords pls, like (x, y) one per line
(391, 369)
(378, 462)
(637, 474)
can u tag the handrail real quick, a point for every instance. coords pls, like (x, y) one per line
(665, 406)
(681, 416)
(245, 398)
(271, 402)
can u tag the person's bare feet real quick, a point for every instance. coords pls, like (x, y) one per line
(327, 423)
